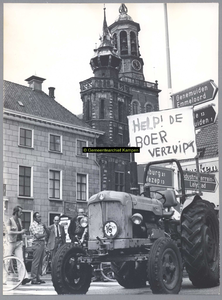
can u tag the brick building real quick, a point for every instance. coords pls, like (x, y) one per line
(44, 168)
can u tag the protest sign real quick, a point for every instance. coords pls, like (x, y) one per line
(163, 135)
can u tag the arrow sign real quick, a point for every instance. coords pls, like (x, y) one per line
(207, 181)
(195, 95)
(157, 176)
(204, 116)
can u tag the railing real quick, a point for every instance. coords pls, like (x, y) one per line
(111, 83)
(140, 83)
(103, 83)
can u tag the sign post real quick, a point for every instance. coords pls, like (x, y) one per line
(157, 176)
(207, 181)
(204, 116)
(195, 95)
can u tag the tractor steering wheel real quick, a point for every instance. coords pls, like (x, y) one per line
(162, 196)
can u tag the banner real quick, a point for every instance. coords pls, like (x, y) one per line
(163, 135)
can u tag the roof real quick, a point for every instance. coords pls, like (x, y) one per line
(207, 140)
(37, 103)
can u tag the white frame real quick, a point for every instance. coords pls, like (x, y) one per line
(60, 186)
(55, 134)
(82, 140)
(31, 184)
(19, 137)
(87, 187)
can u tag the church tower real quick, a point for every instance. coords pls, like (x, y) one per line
(125, 34)
(106, 105)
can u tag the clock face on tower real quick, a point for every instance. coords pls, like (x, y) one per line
(136, 65)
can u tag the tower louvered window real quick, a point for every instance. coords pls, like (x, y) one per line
(115, 41)
(123, 43)
(133, 43)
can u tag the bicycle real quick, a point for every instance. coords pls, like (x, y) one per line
(11, 280)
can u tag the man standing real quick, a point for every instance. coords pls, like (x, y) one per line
(39, 233)
(75, 230)
(14, 241)
(57, 236)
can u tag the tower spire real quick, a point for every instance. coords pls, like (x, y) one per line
(106, 33)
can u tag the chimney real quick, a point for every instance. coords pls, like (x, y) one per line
(51, 92)
(35, 82)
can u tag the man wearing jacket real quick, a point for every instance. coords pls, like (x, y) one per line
(57, 236)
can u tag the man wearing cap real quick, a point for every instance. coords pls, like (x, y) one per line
(75, 230)
(39, 232)
(57, 236)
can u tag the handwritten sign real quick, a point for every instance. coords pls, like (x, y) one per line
(163, 135)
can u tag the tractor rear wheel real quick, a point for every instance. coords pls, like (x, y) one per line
(200, 243)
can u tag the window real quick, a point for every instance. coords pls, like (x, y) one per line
(102, 109)
(115, 41)
(87, 109)
(120, 139)
(81, 187)
(148, 107)
(119, 181)
(25, 137)
(55, 143)
(80, 145)
(26, 219)
(133, 43)
(123, 43)
(120, 111)
(135, 107)
(25, 179)
(54, 184)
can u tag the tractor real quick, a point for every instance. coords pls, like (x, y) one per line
(145, 244)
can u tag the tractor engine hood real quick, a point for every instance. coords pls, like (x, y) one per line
(136, 202)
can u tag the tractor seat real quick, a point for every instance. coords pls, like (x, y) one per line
(170, 198)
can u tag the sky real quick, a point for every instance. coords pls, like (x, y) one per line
(56, 42)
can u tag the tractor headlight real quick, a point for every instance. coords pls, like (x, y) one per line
(137, 219)
(110, 229)
(84, 222)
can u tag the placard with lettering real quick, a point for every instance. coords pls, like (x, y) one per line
(163, 135)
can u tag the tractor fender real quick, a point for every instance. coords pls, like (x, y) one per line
(189, 201)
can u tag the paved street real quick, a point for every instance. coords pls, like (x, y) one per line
(107, 288)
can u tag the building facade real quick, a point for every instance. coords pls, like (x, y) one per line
(44, 168)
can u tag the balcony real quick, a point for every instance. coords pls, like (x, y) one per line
(141, 83)
(103, 83)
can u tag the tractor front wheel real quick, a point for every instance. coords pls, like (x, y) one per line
(165, 267)
(68, 275)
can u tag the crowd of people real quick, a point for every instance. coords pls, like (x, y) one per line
(52, 237)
